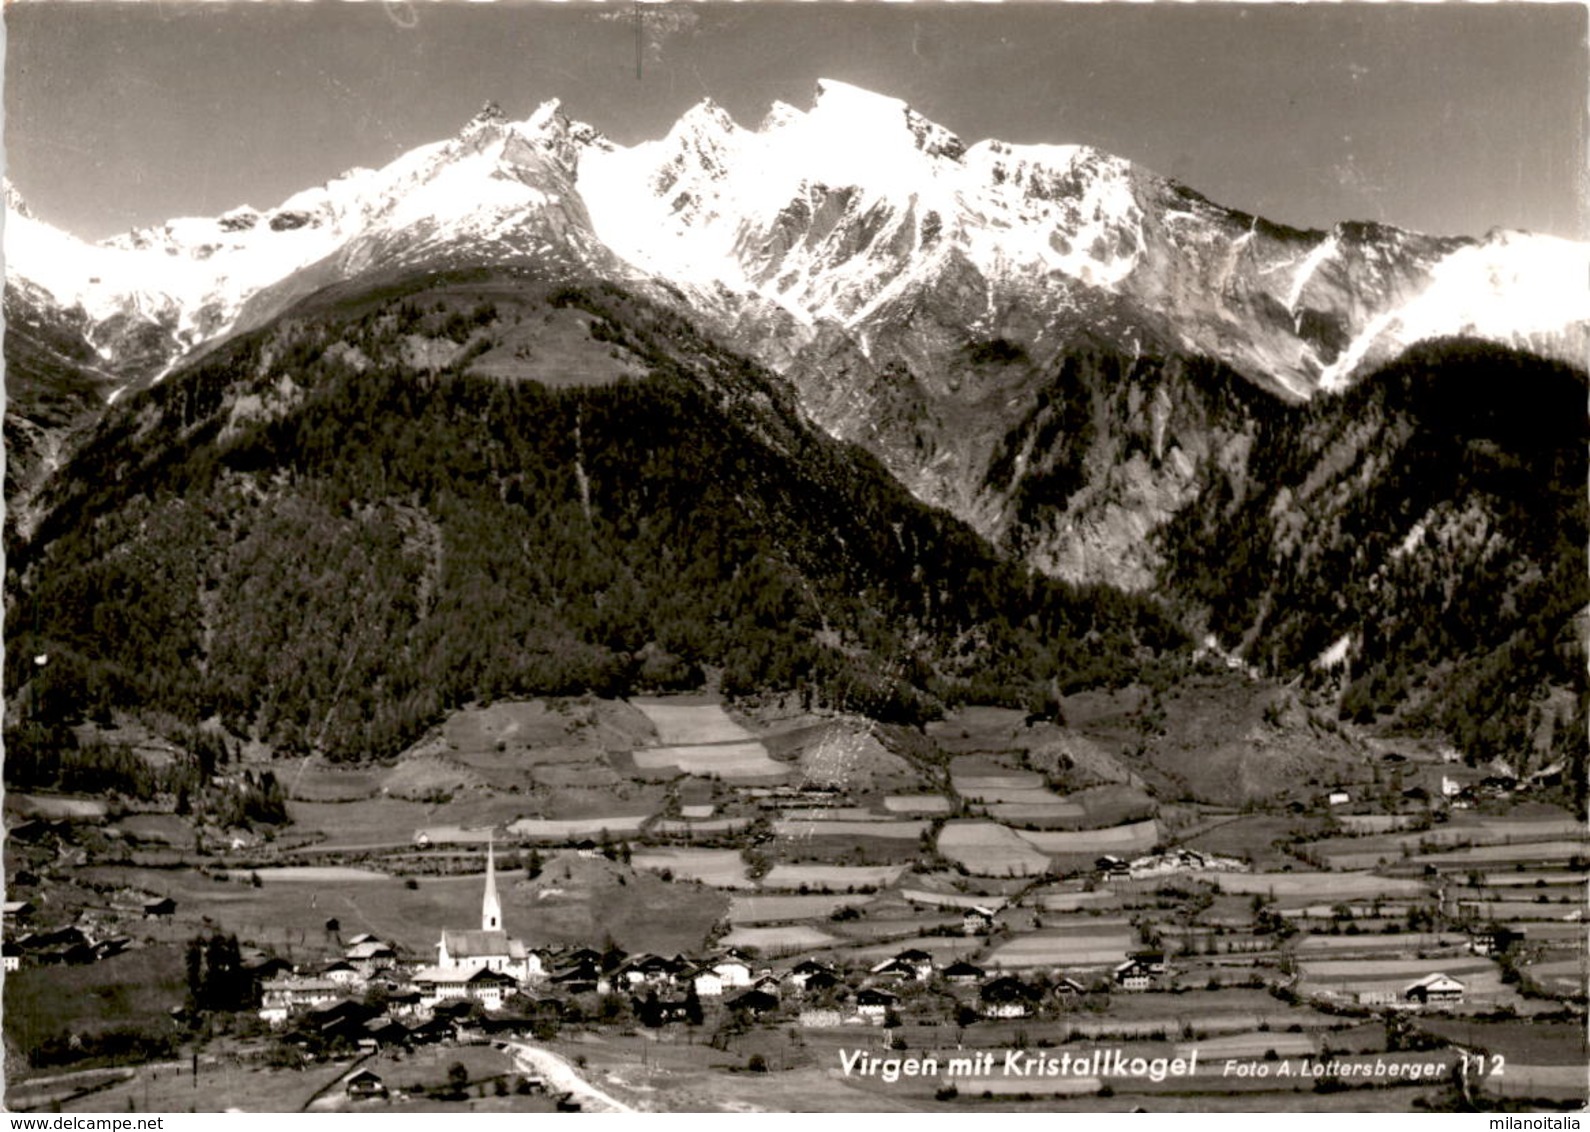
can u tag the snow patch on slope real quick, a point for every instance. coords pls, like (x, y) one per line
(1516, 288)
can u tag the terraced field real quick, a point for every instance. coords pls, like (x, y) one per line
(788, 909)
(903, 830)
(307, 874)
(1366, 944)
(1531, 852)
(1320, 886)
(989, 849)
(726, 760)
(780, 940)
(720, 868)
(705, 827)
(1064, 949)
(689, 721)
(1376, 823)
(555, 829)
(916, 804)
(1120, 840)
(1074, 901)
(1253, 1044)
(836, 878)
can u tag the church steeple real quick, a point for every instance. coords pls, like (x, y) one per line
(490, 906)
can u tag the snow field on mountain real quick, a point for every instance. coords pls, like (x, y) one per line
(849, 213)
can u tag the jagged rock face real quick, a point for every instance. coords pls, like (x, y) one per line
(56, 383)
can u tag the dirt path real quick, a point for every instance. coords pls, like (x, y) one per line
(560, 1076)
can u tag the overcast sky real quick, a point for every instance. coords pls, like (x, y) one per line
(1448, 118)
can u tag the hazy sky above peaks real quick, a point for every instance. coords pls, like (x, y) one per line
(1450, 118)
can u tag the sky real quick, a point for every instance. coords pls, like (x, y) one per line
(1448, 118)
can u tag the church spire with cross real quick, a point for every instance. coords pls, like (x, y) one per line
(490, 906)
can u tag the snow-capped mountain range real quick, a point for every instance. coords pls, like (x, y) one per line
(856, 219)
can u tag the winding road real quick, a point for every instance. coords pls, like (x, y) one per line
(560, 1076)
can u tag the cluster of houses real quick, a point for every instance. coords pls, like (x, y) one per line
(1166, 864)
(70, 944)
(85, 942)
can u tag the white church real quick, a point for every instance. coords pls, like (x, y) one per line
(491, 948)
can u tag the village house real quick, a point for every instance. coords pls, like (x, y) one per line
(364, 1086)
(287, 994)
(1133, 975)
(581, 977)
(368, 956)
(767, 983)
(809, 975)
(753, 1002)
(260, 967)
(1152, 961)
(873, 1004)
(1008, 997)
(1112, 868)
(403, 1002)
(343, 973)
(962, 972)
(645, 970)
(976, 920)
(733, 970)
(431, 1029)
(707, 981)
(913, 963)
(476, 984)
(1494, 939)
(68, 945)
(345, 1018)
(384, 1033)
(1434, 988)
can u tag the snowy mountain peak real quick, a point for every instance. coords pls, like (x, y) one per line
(856, 117)
(858, 214)
(843, 99)
(705, 115)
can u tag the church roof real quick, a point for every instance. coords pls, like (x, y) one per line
(471, 943)
(476, 944)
